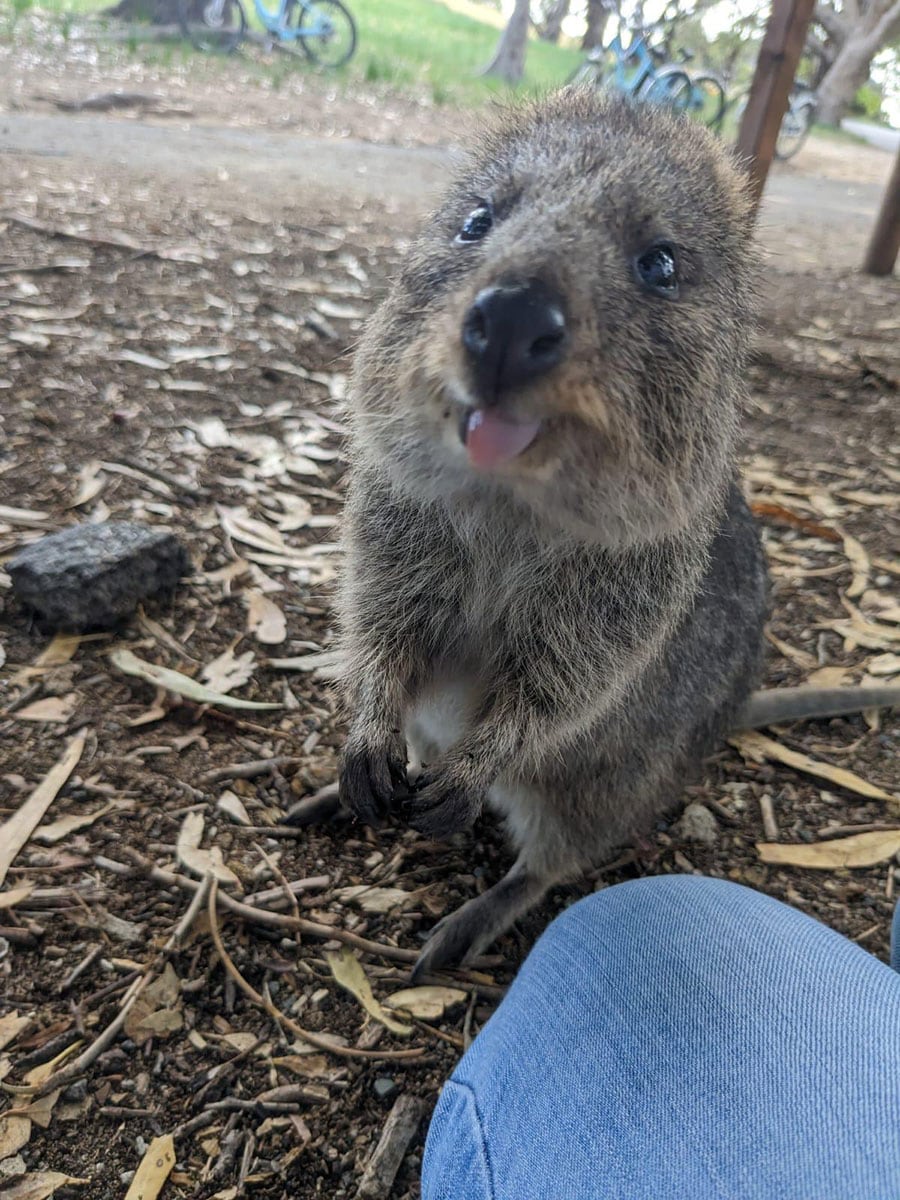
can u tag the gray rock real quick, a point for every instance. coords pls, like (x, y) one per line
(94, 576)
(384, 1087)
(697, 824)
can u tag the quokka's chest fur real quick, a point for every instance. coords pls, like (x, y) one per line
(541, 521)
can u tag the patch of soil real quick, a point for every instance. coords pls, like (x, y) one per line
(193, 379)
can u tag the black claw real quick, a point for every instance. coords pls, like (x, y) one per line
(369, 783)
(439, 810)
(447, 946)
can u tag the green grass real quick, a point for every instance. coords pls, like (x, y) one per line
(413, 46)
(421, 43)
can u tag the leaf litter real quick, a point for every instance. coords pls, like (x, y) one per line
(170, 391)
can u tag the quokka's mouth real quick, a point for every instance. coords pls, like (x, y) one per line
(491, 439)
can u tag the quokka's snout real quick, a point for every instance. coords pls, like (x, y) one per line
(513, 333)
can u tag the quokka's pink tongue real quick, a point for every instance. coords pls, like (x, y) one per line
(491, 439)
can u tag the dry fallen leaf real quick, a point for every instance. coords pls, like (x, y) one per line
(859, 561)
(327, 663)
(229, 670)
(157, 1010)
(201, 862)
(15, 832)
(756, 748)
(91, 482)
(858, 850)
(347, 971)
(11, 1025)
(174, 681)
(40, 1185)
(57, 830)
(375, 899)
(15, 1133)
(243, 528)
(828, 677)
(55, 654)
(15, 896)
(53, 708)
(429, 1002)
(154, 1170)
(884, 664)
(233, 806)
(265, 620)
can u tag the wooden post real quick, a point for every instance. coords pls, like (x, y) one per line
(885, 244)
(779, 57)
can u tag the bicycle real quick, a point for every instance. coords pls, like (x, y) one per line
(633, 71)
(652, 78)
(325, 29)
(795, 124)
(797, 121)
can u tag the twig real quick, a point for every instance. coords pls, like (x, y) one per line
(77, 1068)
(277, 873)
(315, 883)
(183, 927)
(84, 1060)
(88, 961)
(247, 770)
(770, 825)
(837, 831)
(260, 916)
(452, 1038)
(399, 1130)
(282, 1018)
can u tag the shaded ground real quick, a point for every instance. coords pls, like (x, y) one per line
(192, 378)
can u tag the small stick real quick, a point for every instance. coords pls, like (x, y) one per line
(836, 831)
(282, 1018)
(247, 770)
(767, 811)
(399, 1130)
(314, 883)
(279, 875)
(182, 929)
(720, 810)
(88, 961)
(277, 920)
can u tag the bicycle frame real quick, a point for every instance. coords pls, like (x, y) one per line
(631, 82)
(277, 23)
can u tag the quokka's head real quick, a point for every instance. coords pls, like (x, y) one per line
(568, 333)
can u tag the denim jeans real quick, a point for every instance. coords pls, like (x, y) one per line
(679, 1038)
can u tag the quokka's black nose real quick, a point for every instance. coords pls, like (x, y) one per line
(513, 334)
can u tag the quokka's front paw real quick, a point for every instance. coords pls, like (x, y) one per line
(370, 779)
(440, 804)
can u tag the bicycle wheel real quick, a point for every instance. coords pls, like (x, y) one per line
(669, 88)
(328, 32)
(793, 131)
(707, 100)
(212, 25)
(589, 74)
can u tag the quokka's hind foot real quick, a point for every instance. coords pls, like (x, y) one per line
(464, 934)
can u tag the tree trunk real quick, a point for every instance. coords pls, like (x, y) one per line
(844, 78)
(551, 26)
(852, 45)
(597, 12)
(508, 62)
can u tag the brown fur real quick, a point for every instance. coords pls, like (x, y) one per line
(565, 635)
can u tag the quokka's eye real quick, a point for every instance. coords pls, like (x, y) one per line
(476, 225)
(657, 269)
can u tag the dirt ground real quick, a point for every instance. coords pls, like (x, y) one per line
(173, 354)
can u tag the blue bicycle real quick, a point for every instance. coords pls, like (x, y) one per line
(640, 71)
(324, 28)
